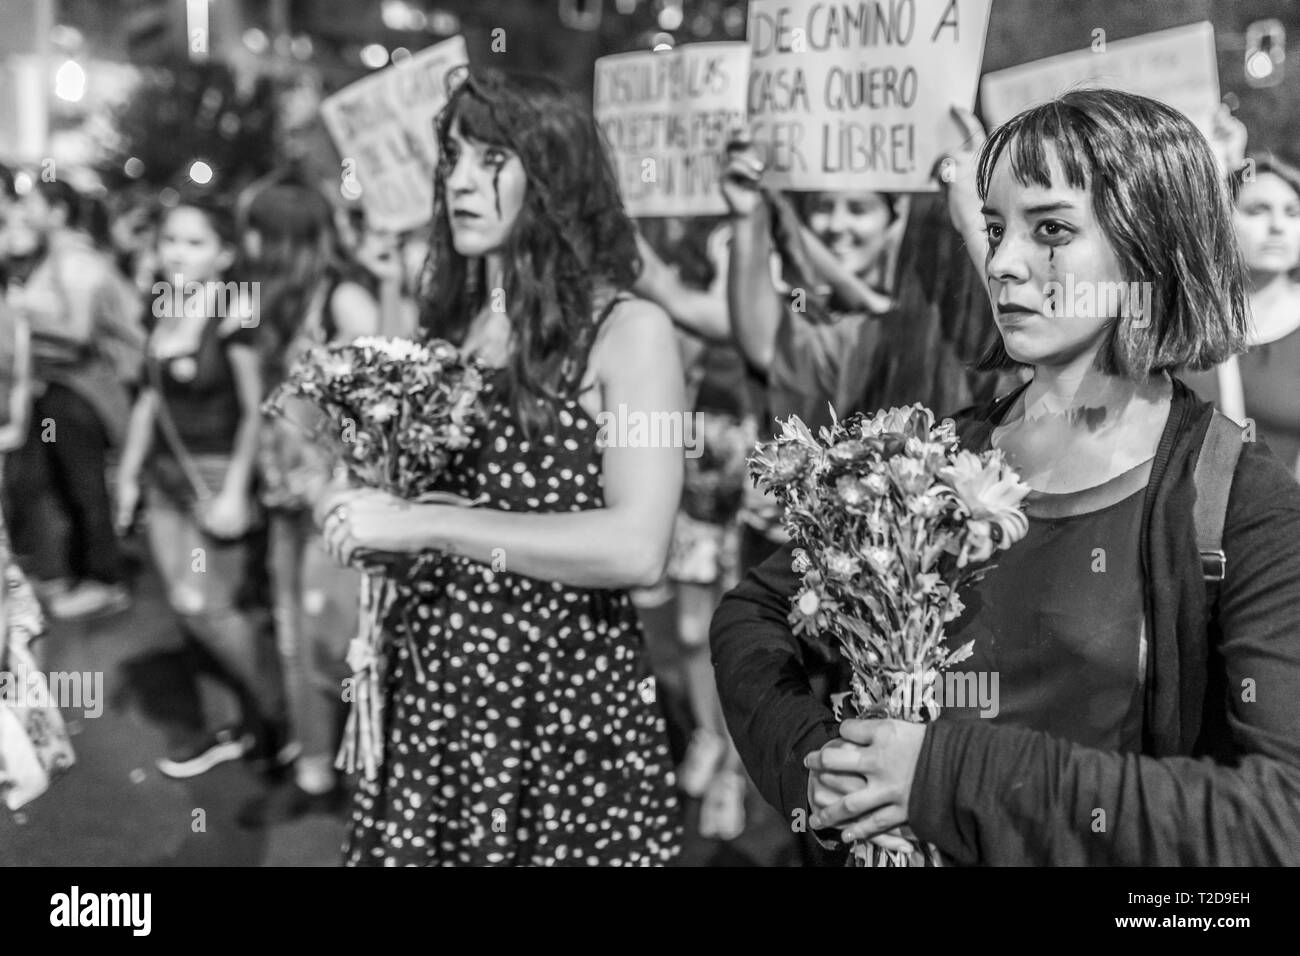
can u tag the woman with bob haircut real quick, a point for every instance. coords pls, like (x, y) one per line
(521, 726)
(1138, 715)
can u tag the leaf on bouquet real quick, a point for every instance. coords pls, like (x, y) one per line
(962, 653)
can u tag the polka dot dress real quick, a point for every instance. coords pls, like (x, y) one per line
(521, 723)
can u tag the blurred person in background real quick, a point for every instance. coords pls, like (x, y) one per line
(86, 350)
(691, 287)
(795, 323)
(190, 455)
(133, 232)
(310, 294)
(391, 261)
(20, 610)
(1260, 384)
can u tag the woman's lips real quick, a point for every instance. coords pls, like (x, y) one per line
(1014, 315)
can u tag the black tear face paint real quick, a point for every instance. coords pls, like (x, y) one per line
(496, 190)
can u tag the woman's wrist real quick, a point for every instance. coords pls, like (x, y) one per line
(436, 528)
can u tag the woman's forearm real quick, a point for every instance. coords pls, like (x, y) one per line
(600, 548)
(696, 311)
(139, 435)
(245, 365)
(1003, 795)
(20, 394)
(239, 476)
(851, 290)
(754, 305)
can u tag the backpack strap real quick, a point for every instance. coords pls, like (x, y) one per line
(1215, 465)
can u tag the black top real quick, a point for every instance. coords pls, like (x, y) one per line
(1057, 622)
(200, 392)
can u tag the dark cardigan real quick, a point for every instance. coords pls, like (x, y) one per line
(1218, 780)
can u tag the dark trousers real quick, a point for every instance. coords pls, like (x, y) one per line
(64, 460)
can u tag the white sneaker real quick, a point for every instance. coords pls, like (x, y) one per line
(218, 748)
(703, 755)
(89, 599)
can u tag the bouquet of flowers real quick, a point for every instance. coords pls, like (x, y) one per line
(394, 412)
(890, 520)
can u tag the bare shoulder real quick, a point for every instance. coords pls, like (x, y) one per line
(635, 330)
(355, 311)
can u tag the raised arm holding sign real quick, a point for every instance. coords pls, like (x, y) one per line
(856, 96)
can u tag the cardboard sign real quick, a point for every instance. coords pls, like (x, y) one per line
(383, 128)
(1177, 67)
(667, 118)
(852, 96)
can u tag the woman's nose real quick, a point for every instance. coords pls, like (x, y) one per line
(459, 179)
(839, 218)
(1007, 261)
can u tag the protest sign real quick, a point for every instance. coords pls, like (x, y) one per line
(1177, 67)
(667, 117)
(858, 95)
(383, 128)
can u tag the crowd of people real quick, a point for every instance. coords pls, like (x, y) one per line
(517, 727)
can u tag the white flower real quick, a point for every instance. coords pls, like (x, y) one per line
(928, 582)
(809, 602)
(926, 505)
(880, 560)
(990, 490)
(335, 366)
(801, 562)
(381, 411)
(399, 350)
(878, 485)
(840, 564)
(897, 420)
(910, 475)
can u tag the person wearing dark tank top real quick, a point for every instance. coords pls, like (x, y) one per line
(190, 444)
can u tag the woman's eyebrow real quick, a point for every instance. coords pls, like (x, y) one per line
(1049, 207)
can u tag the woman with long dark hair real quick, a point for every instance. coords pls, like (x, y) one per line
(524, 730)
(1146, 666)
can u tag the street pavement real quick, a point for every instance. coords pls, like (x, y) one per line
(114, 808)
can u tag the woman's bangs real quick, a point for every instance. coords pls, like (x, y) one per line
(1026, 139)
(476, 119)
